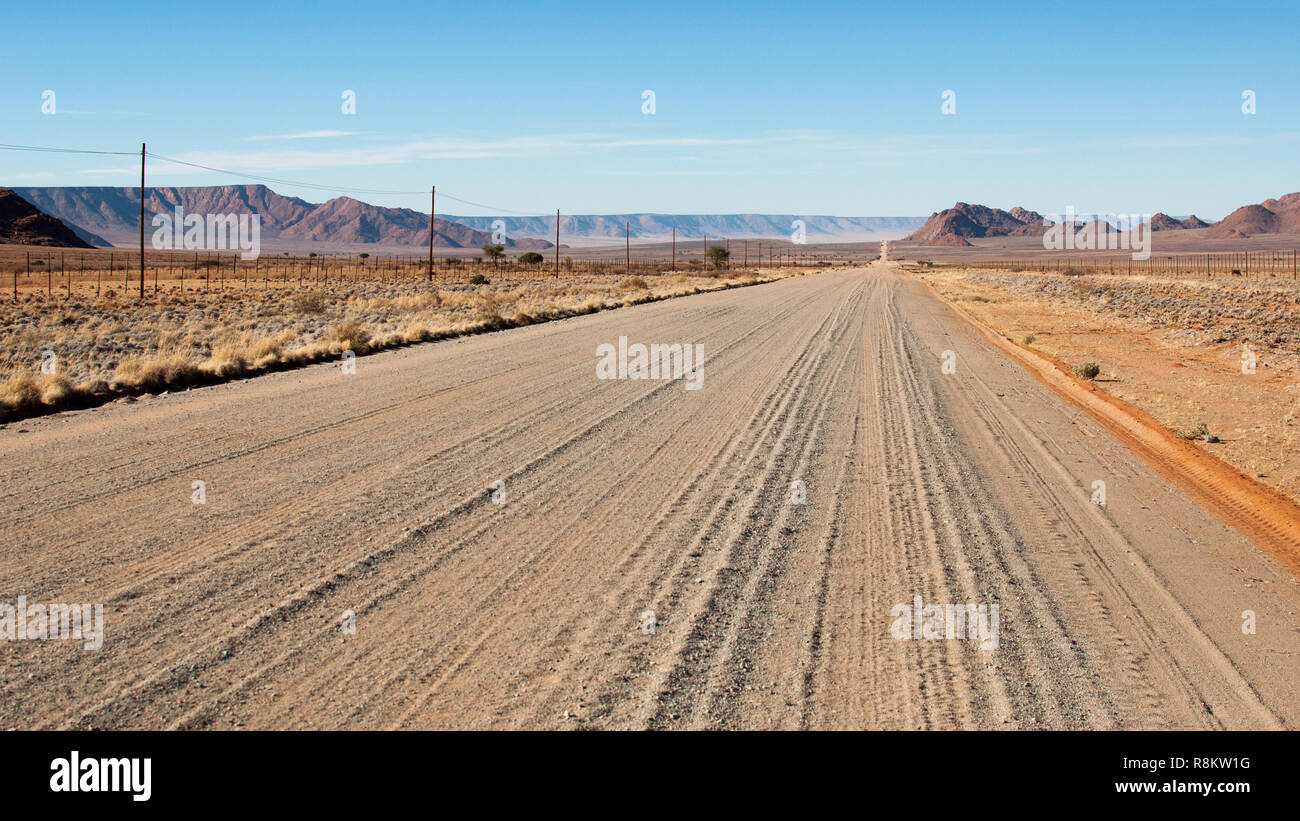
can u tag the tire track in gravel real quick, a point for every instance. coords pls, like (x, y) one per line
(222, 647)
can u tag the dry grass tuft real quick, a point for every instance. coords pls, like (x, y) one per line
(489, 320)
(56, 390)
(164, 370)
(349, 336)
(20, 392)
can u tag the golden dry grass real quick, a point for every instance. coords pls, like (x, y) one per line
(108, 346)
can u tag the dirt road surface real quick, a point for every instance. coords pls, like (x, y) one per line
(371, 494)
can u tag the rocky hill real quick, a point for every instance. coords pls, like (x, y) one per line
(24, 224)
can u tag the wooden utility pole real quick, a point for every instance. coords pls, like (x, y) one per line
(141, 222)
(674, 247)
(557, 242)
(627, 246)
(433, 195)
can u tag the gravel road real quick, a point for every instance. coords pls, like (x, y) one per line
(482, 534)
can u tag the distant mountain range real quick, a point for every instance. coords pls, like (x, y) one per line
(23, 223)
(606, 229)
(105, 215)
(113, 215)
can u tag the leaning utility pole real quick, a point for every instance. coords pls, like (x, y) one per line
(141, 223)
(433, 196)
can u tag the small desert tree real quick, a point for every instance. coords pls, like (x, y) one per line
(494, 252)
(718, 256)
(531, 258)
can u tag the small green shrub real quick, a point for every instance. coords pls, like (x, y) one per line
(1087, 370)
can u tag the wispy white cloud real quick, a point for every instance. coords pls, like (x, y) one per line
(826, 146)
(1188, 141)
(548, 145)
(303, 135)
(912, 145)
(295, 159)
(1161, 141)
(30, 175)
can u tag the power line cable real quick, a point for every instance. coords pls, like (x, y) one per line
(276, 180)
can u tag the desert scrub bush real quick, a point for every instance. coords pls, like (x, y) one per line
(349, 335)
(1087, 370)
(309, 302)
(478, 279)
(1029, 339)
(633, 284)
(1198, 431)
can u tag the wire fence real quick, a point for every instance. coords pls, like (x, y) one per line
(57, 273)
(1276, 264)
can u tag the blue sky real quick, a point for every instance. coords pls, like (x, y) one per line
(802, 108)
